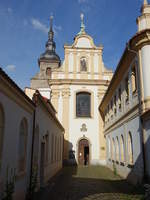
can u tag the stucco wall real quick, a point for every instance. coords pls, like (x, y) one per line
(134, 173)
(14, 113)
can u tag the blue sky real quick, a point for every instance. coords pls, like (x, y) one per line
(24, 25)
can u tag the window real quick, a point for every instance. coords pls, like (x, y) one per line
(48, 71)
(109, 147)
(130, 149)
(22, 145)
(133, 80)
(1, 132)
(83, 104)
(113, 149)
(127, 88)
(83, 64)
(119, 97)
(117, 149)
(115, 109)
(122, 148)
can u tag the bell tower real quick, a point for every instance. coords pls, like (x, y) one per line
(48, 61)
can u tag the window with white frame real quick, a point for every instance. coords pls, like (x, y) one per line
(134, 80)
(122, 149)
(130, 148)
(117, 149)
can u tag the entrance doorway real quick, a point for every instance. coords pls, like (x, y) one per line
(83, 152)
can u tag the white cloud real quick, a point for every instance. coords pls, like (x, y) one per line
(57, 29)
(10, 68)
(42, 27)
(82, 1)
(9, 10)
(39, 25)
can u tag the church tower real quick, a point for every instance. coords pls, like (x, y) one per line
(47, 61)
(75, 89)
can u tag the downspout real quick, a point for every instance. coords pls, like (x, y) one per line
(32, 146)
(143, 147)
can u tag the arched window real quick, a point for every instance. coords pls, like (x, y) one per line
(113, 149)
(83, 64)
(83, 104)
(1, 132)
(109, 148)
(48, 71)
(130, 148)
(22, 150)
(133, 79)
(122, 149)
(117, 149)
(36, 147)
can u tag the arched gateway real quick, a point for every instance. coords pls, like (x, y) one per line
(83, 152)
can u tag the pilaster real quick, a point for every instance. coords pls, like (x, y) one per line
(65, 120)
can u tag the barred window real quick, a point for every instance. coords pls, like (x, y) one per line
(83, 104)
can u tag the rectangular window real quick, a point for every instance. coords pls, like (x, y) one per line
(83, 104)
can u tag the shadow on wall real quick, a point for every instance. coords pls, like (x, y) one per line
(137, 172)
(69, 154)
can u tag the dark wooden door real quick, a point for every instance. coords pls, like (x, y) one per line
(82, 154)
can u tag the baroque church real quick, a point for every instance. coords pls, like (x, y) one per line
(75, 87)
(77, 111)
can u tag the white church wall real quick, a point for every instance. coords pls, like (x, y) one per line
(71, 61)
(75, 124)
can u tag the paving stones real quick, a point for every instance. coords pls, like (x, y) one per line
(88, 183)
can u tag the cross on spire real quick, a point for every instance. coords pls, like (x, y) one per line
(82, 27)
(145, 2)
(51, 21)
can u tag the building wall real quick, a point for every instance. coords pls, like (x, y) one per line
(14, 113)
(75, 124)
(47, 126)
(133, 172)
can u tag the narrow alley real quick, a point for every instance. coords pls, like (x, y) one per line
(93, 182)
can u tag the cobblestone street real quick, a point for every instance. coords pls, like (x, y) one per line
(85, 183)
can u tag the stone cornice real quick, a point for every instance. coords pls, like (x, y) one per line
(78, 82)
(140, 39)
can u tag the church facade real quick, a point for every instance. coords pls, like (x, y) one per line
(75, 88)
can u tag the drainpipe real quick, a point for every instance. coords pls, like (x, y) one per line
(143, 147)
(32, 147)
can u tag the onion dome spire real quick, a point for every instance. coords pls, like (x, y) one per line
(50, 55)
